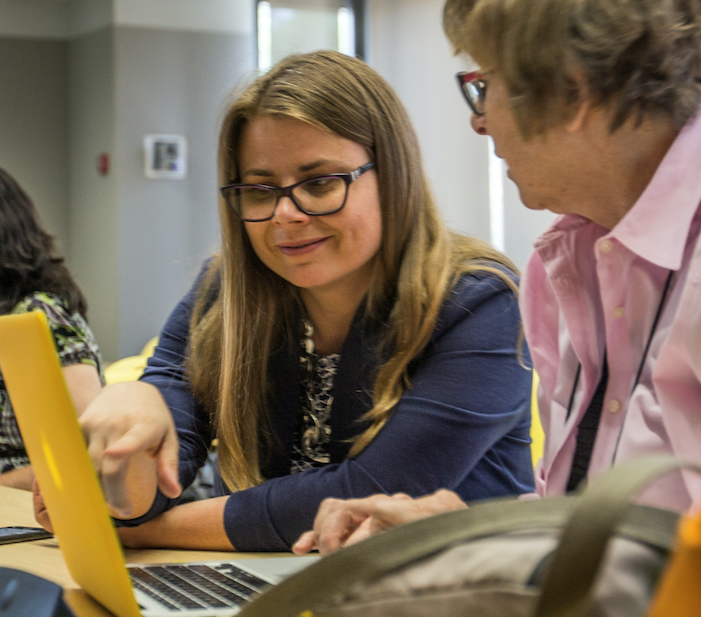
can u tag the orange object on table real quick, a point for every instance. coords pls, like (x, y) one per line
(679, 592)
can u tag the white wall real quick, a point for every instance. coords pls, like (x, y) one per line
(408, 48)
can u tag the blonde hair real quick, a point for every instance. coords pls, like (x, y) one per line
(255, 311)
(643, 57)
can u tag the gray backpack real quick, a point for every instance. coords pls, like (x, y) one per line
(587, 555)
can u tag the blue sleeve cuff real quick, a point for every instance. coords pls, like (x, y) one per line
(160, 504)
(247, 521)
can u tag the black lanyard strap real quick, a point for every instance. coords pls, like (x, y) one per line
(586, 432)
(584, 447)
(654, 327)
(660, 307)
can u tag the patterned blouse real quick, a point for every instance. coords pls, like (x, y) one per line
(313, 435)
(75, 344)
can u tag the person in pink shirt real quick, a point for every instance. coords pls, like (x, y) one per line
(593, 105)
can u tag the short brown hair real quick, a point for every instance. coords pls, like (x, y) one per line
(643, 57)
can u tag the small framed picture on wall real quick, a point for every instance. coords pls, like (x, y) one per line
(165, 156)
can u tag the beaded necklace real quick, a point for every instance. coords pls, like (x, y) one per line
(313, 435)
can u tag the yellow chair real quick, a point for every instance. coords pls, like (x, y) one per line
(130, 368)
(537, 433)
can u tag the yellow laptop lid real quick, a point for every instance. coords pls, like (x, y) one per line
(56, 448)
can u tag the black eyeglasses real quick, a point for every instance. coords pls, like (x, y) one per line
(316, 196)
(474, 89)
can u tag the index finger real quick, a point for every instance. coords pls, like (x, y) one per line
(305, 543)
(163, 447)
(167, 467)
(337, 520)
(131, 472)
(113, 479)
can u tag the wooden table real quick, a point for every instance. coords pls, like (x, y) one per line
(43, 557)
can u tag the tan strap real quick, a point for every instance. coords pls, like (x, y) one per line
(335, 575)
(568, 581)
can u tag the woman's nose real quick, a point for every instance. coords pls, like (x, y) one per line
(479, 124)
(287, 212)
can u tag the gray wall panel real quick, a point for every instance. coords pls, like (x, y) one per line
(33, 125)
(94, 258)
(175, 83)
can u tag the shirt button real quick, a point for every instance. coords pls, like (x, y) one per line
(619, 312)
(614, 405)
(605, 246)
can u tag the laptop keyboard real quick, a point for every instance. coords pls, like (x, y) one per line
(179, 587)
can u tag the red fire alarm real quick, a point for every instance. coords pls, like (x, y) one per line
(103, 164)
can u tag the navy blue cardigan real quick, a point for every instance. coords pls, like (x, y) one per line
(463, 425)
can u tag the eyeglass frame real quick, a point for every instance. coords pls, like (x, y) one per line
(286, 191)
(466, 78)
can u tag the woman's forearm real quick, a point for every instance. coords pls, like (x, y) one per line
(198, 526)
(83, 383)
(21, 478)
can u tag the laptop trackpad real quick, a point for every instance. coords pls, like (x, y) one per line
(276, 569)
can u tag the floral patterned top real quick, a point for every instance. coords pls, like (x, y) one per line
(75, 345)
(313, 435)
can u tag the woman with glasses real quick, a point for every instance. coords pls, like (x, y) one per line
(342, 343)
(34, 278)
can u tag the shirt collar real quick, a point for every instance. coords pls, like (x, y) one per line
(657, 225)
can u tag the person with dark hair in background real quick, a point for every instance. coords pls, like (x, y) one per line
(594, 106)
(34, 278)
(343, 342)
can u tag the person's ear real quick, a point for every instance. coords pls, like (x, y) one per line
(578, 102)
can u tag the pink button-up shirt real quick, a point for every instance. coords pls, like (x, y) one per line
(586, 290)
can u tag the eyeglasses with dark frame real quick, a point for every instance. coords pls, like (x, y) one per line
(315, 196)
(474, 89)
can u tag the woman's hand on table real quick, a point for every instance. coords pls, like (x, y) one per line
(340, 523)
(40, 512)
(196, 526)
(21, 478)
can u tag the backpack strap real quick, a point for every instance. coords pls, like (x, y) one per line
(569, 578)
(366, 561)
(334, 575)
